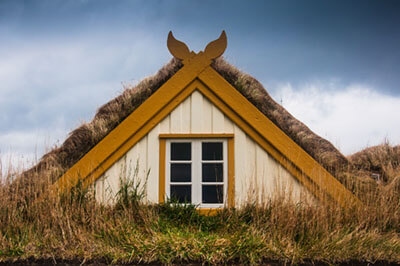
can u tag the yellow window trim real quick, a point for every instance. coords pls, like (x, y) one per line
(199, 75)
(231, 166)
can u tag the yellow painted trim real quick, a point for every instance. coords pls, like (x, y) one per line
(230, 161)
(126, 146)
(194, 135)
(276, 139)
(161, 165)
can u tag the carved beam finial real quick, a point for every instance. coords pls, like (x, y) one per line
(216, 48)
(213, 50)
(177, 48)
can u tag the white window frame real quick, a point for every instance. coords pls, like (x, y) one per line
(196, 170)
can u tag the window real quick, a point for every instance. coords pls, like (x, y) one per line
(196, 171)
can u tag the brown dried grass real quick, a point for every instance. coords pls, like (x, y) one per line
(382, 160)
(75, 227)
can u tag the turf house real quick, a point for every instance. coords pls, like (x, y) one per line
(203, 132)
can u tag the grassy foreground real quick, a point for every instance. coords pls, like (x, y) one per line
(76, 227)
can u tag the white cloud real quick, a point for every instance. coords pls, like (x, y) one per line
(352, 117)
(22, 149)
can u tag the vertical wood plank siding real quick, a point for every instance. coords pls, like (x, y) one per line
(255, 171)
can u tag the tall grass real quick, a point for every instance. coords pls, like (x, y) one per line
(75, 226)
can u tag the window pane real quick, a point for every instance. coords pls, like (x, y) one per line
(212, 172)
(181, 172)
(182, 194)
(213, 194)
(212, 150)
(181, 151)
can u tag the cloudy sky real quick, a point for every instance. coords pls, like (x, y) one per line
(333, 64)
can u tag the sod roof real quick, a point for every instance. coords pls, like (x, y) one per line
(108, 116)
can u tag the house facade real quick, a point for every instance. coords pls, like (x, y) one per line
(197, 139)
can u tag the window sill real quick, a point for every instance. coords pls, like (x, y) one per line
(209, 211)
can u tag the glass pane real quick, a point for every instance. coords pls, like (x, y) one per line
(213, 193)
(212, 172)
(212, 150)
(181, 172)
(181, 151)
(182, 194)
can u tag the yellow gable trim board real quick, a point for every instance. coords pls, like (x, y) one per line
(231, 164)
(133, 128)
(278, 139)
(233, 104)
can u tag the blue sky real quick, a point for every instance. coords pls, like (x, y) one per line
(333, 64)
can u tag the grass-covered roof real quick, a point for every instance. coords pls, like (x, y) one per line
(81, 140)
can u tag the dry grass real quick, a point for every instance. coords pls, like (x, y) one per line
(75, 227)
(381, 162)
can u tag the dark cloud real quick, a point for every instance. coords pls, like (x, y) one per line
(297, 41)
